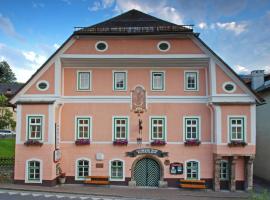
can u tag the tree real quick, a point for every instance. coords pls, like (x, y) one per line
(6, 116)
(6, 74)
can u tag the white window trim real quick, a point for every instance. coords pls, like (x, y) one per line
(222, 179)
(199, 168)
(164, 80)
(76, 168)
(26, 180)
(42, 128)
(107, 46)
(228, 127)
(126, 81)
(90, 81)
(150, 127)
(115, 117)
(124, 168)
(227, 91)
(169, 46)
(90, 129)
(184, 126)
(198, 79)
(43, 81)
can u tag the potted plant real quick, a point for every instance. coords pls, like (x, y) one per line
(237, 143)
(158, 142)
(33, 143)
(192, 142)
(120, 142)
(82, 142)
(62, 178)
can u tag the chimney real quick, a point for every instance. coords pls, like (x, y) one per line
(257, 79)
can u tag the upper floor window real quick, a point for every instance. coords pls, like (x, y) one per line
(158, 81)
(158, 128)
(83, 168)
(192, 128)
(33, 171)
(192, 170)
(229, 87)
(101, 46)
(120, 128)
(163, 46)
(117, 170)
(224, 170)
(119, 80)
(83, 127)
(237, 128)
(35, 127)
(191, 81)
(42, 85)
(84, 80)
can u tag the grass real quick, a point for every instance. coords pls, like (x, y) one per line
(7, 147)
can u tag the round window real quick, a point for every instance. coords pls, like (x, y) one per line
(229, 87)
(163, 46)
(42, 85)
(101, 46)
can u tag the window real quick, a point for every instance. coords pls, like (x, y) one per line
(158, 128)
(191, 81)
(163, 46)
(158, 81)
(83, 169)
(224, 170)
(120, 128)
(84, 81)
(42, 85)
(117, 170)
(229, 87)
(119, 80)
(236, 128)
(192, 129)
(34, 171)
(35, 127)
(101, 46)
(83, 127)
(192, 170)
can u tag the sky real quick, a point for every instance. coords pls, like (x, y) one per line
(237, 30)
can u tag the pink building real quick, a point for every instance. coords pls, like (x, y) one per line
(141, 100)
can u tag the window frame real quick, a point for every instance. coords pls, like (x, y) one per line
(89, 118)
(198, 118)
(152, 80)
(164, 119)
(227, 170)
(115, 83)
(228, 91)
(198, 170)
(78, 80)
(100, 50)
(110, 170)
(26, 179)
(186, 79)
(244, 127)
(42, 81)
(77, 178)
(41, 139)
(114, 118)
(168, 43)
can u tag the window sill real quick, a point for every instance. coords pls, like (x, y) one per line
(33, 143)
(237, 144)
(120, 142)
(82, 142)
(192, 142)
(158, 143)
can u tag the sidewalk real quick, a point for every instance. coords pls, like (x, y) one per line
(126, 192)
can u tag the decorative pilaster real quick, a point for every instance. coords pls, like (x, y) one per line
(249, 172)
(217, 173)
(232, 178)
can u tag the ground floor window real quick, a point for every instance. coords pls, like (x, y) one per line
(192, 170)
(83, 168)
(117, 170)
(34, 171)
(224, 170)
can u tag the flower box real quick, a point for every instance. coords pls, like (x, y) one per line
(192, 142)
(237, 144)
(33, 143)
(158, 142)
(120, 142)
(82, 142)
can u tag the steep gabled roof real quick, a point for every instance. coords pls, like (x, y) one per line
(134, 22)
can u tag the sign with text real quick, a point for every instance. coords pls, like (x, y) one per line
(176, 168)
(144, 151)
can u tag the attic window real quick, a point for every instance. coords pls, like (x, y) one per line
(101, 46)
(42, 85)
(229, 87)
(163, 46)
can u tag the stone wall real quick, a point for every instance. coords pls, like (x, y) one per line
(6, 170)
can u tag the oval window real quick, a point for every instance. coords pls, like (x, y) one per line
(101, 46)
(229, 87)
(163, 46)
(42, 85)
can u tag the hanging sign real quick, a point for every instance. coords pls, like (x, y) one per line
(56, 155)
(176, 168)
(144, 151)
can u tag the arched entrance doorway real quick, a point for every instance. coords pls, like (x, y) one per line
(147, 172)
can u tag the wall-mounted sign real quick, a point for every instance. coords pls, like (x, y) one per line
(99, 156)
(176, 168)
(166, 162)
(56, 155)
(144, 151)
(99, 165)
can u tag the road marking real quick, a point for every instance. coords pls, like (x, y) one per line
(84, 198)
(12, 193)
(72, 197)
(59, 196)
(48, 195)
(24, 194)
(36, 195)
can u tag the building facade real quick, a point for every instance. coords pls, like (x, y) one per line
(138, 99)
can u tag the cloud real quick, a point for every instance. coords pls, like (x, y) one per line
(241, 69)
(203, 25)
(38, 5)
(7, 27)
(34, 59)
(56, 46)
(99, 5)
(237, 28)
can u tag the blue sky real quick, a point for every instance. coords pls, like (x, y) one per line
(237, 30)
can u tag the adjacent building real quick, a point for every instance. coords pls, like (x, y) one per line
(141, 100)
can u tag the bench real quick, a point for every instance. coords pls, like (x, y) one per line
(192, 184)
(97, 180)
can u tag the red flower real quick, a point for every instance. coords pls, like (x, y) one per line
(192, 142)
(120, 142)
(82, 142)
(158, 142)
